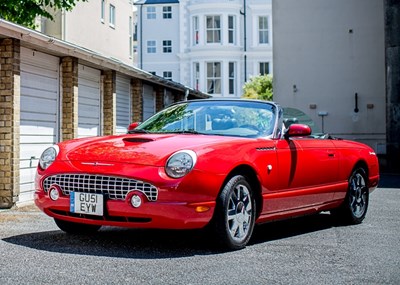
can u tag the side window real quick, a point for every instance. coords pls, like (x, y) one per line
(167, 75)
(263, 30)
(151, 47)
(264, 68)
(231, 29)
(214, 77)
(167, 46)
(213, 29)
(151, 13)
(112, 15)
(167, 12)
(195, 30)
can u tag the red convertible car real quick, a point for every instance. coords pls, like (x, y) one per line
(225, 164)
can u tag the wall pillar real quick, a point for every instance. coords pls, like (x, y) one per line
(159, 98)
(392, 50)
(10, 94)
(69, 98)
(109, 103)
(137, 99)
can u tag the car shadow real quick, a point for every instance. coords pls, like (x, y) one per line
(293, 227)
(161, 244)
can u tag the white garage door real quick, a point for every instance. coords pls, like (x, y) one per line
(123, 90)
(149, 102)
(39, 114)
(89, 103)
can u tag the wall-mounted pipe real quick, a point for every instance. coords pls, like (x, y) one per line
(356, 110)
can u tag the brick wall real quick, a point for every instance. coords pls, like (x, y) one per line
(69, 98)
(159, 98)
(9, 121)
(137, 99)
(109, 102)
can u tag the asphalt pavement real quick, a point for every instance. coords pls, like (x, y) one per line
(307, 250)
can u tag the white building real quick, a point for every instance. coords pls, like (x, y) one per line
(212, 46)
(329, 60)
(104, 26)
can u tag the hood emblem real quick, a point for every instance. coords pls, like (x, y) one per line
(97, 163)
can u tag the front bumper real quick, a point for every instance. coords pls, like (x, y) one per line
(158, 215)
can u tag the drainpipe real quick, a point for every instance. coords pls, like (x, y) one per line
(63, 24)
(141, 36)
(245, 39)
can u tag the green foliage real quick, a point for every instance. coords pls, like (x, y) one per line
(258, 87)
(24, 12)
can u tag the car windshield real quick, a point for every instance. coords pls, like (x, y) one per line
(239, 118)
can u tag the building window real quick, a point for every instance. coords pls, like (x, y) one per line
(231, 29)
(167, 75)
(264, 68)
(151, 47)
(103, 10)
(213, 29)
(112, 15)
(167, 46)
(153, 72)
(231, 78)
(195, 30)
(167, 12)
(263, 30)
(135, 34)
(214, 77)
(196, 75)
(151, 12)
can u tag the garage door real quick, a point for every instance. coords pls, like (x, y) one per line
(123, 98)
(89, 111)
(149, 102)
(168, 98)
(39, 114)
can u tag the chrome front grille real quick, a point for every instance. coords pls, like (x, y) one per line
(115, 188)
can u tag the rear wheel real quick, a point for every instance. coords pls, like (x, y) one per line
(235, 214)
(76, 228)
(354, 208)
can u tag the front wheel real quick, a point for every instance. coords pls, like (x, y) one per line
(355, 205)
(76, 228)
(235, 214)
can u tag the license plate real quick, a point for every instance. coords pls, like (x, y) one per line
(86, 203)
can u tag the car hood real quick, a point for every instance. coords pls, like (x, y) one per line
(144, 149)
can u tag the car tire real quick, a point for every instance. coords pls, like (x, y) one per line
(234, 216)
(355, 205)
(76, 228)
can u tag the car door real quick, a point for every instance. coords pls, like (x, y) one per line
(307, 172)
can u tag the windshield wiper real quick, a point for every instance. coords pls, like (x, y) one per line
(138, 131)
(185, 132)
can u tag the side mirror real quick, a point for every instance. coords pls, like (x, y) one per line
(298, 130)
(133, 126)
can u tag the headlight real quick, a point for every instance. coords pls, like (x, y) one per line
(48, 157)
(180, 163)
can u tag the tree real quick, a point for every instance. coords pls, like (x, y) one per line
(258, 87)
(24, 12)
